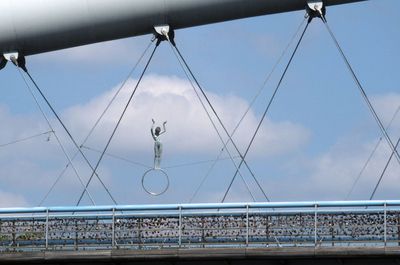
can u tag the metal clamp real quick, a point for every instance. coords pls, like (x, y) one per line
(3, 62)
(315, 8)
(11, 56)
(15, 58)
(164, 33)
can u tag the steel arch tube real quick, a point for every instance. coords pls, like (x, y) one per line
(37, 26)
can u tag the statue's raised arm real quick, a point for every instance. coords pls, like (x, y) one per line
(155, 133)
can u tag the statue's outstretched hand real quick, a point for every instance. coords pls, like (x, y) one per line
(153, 121)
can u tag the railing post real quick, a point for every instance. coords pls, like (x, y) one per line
(140, 232)
(385, 224)
(247, 225)
(113, 229)
(47, 229)
(180, 226)
(315, 225)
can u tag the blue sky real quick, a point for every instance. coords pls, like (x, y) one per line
(317, 136)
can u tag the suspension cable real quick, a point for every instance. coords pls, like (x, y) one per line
(54, 185)
(194, 163)
(200, 162)
(55, 135)
(100, 117)
(372, 154)
(119, 120)
(64, 127)
(172, 45)
(268, 106)
(117, 93)
(363, 168)
(249, 108)
(384, 171)
(25, 139)
(117, 157)
(216, 115)
(362, 91)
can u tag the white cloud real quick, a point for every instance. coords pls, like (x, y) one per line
(336, 171)
(188, 129)
(31, 167)
(17, 126)
(386, 106)
(327, 175)
(330, 174)
(8, 199)
(333, 172)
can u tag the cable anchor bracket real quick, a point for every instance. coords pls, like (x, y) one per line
(164, 33)
(17, 59)
(315, 8)
(3, 62)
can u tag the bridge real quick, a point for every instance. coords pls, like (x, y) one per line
(354, 232)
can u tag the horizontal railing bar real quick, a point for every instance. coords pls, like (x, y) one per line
(101, 217)
(146, 226)
(219, 206)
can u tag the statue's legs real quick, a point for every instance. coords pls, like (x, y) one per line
(157, 155)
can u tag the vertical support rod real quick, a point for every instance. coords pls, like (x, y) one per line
(203, 233)
(315, 225)
(47, 229)
(267, 229)
(180, 226)
(76, 235)
(385, 223)
(140, 232)
(398, 229)
(247, 225)
(113, 228)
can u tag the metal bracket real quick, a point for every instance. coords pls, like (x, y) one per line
(17, 59)
(316, 8)
(3, 62)
(11, 56)
(164, 32)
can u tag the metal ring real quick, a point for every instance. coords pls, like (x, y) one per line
(154, 193)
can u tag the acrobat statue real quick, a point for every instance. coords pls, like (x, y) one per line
(157, 143)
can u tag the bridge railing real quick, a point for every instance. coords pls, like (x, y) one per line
(305, 224)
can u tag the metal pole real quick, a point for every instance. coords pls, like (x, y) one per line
(333, 230)
(203, 237)
(247, 225)
(76, 235)
(385, 223)
(140, 233)
(398, 229)
(47, 229)
(180, 226)
(113, 228)
(315, 225)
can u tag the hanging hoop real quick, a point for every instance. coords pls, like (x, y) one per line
(155, 193)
